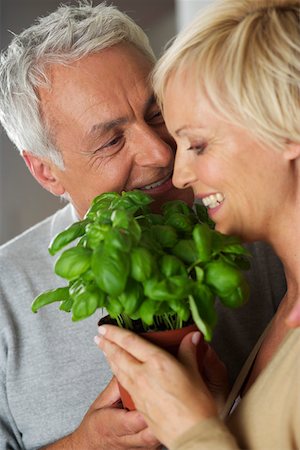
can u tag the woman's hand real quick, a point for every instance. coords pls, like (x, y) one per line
(293, 320)
(215, 376)
(171, 395)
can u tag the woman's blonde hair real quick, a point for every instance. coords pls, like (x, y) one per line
(246, 55)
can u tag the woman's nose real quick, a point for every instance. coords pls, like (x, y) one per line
(184, 170)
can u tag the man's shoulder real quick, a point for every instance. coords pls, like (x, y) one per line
(37, 238)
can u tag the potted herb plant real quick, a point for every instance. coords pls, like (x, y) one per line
(151, 272)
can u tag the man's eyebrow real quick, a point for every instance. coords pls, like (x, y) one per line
(104, 127)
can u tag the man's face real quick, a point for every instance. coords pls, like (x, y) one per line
(104, 120)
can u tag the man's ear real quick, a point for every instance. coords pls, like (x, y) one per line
(44, 173)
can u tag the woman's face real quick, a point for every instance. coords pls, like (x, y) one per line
(242, 182)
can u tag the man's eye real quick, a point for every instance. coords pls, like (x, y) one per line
(113, 142)
(111, 147)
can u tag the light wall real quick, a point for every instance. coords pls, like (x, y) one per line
(186, 10)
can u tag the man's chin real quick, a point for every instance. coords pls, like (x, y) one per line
(185, 195)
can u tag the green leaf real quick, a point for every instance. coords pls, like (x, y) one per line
(204, 327)
(186, 251)
(171, 265)
(180, 222)
(149, 241)
(118, 239)
(51, 296)
(121, 218)
(224, 279)
(73, 262)
(237, 296)
(111, 269)
(173, 288)
(165, 235)
(175, 206)
(67, 236)
(66, 305)
(138, 197)
(114, 307)
(142, 263)
(155, 219)
(131, 298)
(205, 301)
(147, 311)
(202, 236)
(96, 233)
(85, 305)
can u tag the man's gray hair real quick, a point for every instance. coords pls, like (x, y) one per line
(67, 34)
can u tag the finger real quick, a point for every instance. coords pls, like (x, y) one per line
(216, 377)
(187, 352)
(134, 422)
(134, 432)
(122, 363)
(214, 369)
(293, 320)
(129, 341)
(109, 397)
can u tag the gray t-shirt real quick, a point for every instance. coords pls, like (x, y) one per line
(50, 369)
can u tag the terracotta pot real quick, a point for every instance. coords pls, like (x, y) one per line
(169, 340)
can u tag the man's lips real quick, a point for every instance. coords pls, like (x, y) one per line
(158, 187)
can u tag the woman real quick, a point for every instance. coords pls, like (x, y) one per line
(229, 88)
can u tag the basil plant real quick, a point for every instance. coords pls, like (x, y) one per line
(159, 269)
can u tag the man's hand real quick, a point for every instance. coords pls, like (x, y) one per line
(107, 426)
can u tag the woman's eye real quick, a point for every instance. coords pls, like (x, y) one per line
(156, 118)
(198, 148)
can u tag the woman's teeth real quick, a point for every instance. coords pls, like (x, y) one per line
(156, 184)
(213, 200)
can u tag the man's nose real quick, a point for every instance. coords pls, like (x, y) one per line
(184, 174)
(153, 148)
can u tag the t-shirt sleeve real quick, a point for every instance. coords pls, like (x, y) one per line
(10, 438)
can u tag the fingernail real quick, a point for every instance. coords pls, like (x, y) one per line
(97, 339)
(196, 338)
(102, 330)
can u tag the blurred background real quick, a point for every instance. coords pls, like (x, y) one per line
(23, 202)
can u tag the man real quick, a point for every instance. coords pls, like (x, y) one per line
(76, 101)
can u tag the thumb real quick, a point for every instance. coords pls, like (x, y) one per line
(187, 352)
(293, 320)
(215, 375)
(110, 396)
